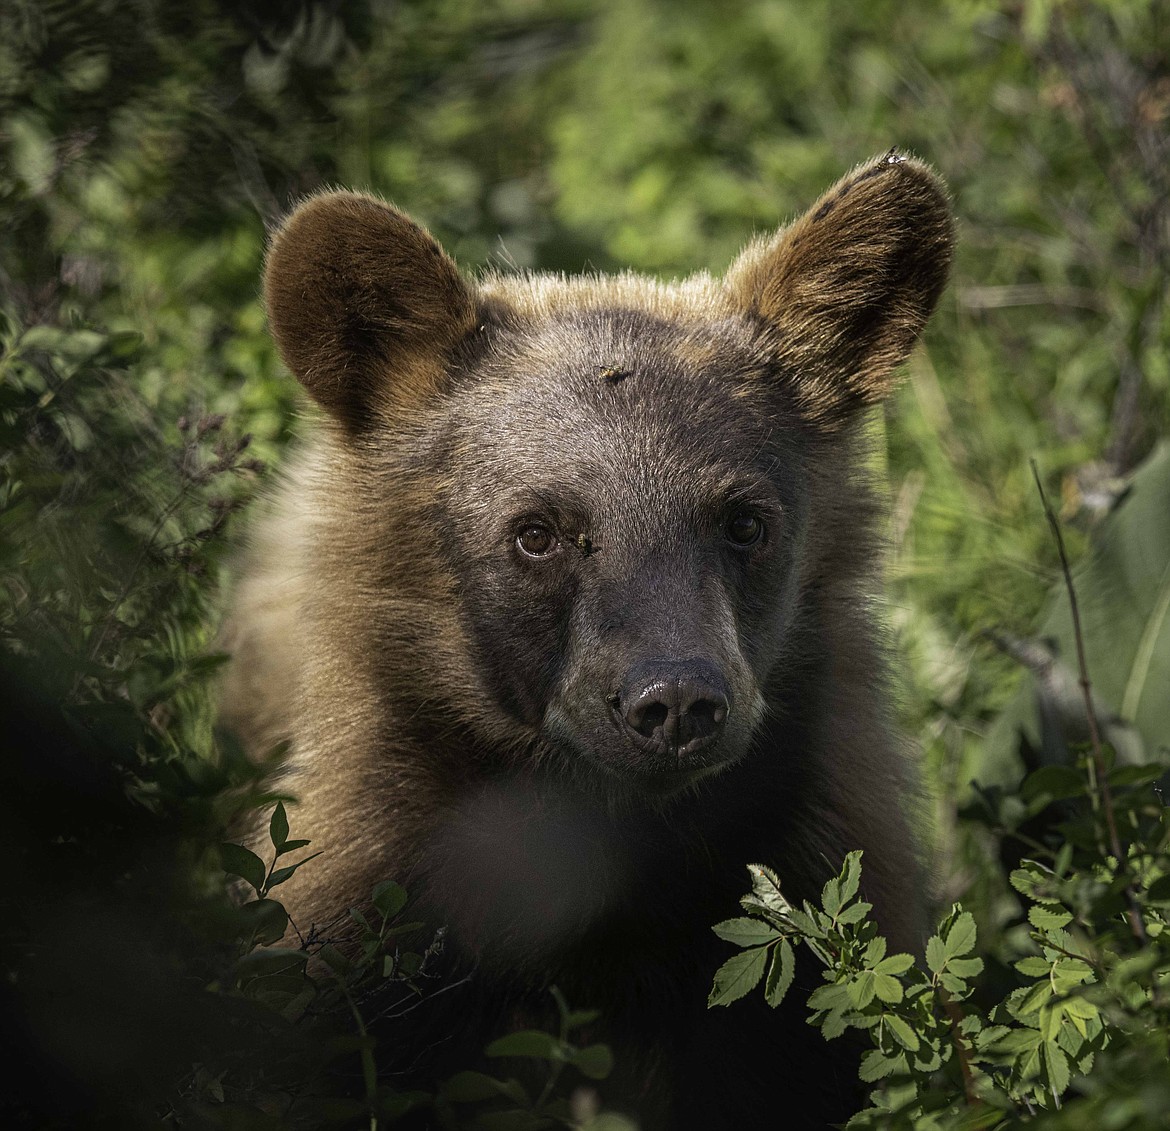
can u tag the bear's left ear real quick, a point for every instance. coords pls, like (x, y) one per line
(845, 290)
(363, 303)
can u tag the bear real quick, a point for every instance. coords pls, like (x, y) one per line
(566, 612)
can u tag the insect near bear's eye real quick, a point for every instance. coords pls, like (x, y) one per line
(744, 529)
(536, 541)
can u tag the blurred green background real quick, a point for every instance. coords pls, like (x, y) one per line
(145, 146)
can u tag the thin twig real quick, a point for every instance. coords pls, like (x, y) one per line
(955, 1018)
(1135, 916)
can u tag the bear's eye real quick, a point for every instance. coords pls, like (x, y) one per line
(744, 529)
(536, 541)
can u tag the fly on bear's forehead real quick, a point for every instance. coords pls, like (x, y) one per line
(612, 374)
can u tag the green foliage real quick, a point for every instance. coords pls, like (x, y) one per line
(1083, 1017)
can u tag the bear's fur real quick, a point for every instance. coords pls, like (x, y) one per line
(565, 609)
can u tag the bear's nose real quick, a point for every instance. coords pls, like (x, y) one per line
(674, 708)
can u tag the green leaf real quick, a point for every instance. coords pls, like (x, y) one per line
(389, 898)
(292, 846)
(1053, 783)
(1056, 1067)
(263, 921)
(861, 989)
(766, 888)
(746, 932)
(961, 936)
(1033, 967)
(901, 1032)
(279, 875)
(738, 976)
(780, 973)
(239, 861)
(278, 826)
(895, 964)
(936, 955)
(474, 1087)
(875, 1065)
(850, 876)
(530, 1043)
(888, 988)
(831, 897)
(594, 1061)
(1046, 919)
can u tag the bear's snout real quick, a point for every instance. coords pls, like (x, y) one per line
(672, 710)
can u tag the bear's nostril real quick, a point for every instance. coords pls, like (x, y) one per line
(646, 720)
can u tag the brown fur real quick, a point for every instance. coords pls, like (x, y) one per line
(443, 698)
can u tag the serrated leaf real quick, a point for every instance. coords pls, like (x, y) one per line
(278, 826)
(861, 989)
(854, 913)
(895, 964)
(1033, 967)
(850, 876)
(594, 1061)
(239, 861)
(835, 996)
(1039, 995)
(780, 973)
(875, 1065)
(888, 988)
(965, 967)
(961, 937)
(936, 955)
(1056, 1066)
(875, 951)
(1046, 919)
(738, 976)
(746, 932)
(766, 887)
(529, 1043)
(901, 1032)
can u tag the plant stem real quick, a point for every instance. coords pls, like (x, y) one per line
(955, 1018)
(1102, 775)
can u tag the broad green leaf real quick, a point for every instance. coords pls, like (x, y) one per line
(901, 1031)
(862, 989)
(292, 846)
(389, 898)
(961, 937)
(278, 826)
(875, 1065)
(895, 964)
(264, 921)
(1056, 1066)
(471, 1087)
(239, 861)
(936, 955)
(831, 897)
(1033, 967)
(739, 975)
(746, 932)
(888, 988)
(530, 1043)
(594, 1061)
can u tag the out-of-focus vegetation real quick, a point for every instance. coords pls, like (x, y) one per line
(145, 146)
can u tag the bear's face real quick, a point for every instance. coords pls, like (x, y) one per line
(620, 482)
(624, 509)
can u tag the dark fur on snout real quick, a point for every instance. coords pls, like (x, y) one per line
(566, 610)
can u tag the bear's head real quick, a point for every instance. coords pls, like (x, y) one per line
(615, 495)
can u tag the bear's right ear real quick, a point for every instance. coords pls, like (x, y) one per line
(363, 303)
